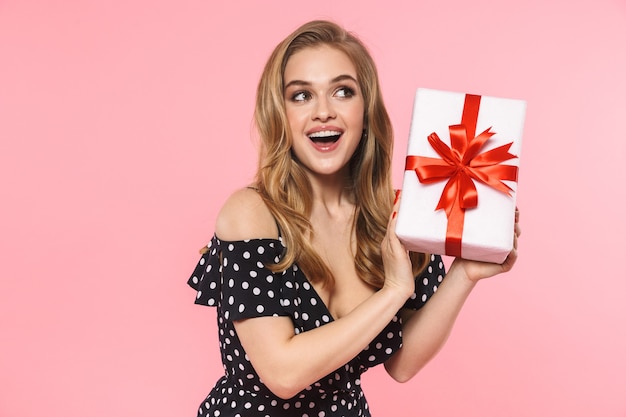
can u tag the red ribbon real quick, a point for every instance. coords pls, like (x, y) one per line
(461, 165)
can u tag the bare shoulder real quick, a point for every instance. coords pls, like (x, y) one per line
(244, 215)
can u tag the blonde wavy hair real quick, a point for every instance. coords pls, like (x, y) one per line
(281, 180)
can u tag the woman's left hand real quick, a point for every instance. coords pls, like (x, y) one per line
(476, 270)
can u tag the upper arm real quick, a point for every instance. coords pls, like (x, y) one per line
(244, 215)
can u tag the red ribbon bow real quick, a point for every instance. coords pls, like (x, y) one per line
(461, 164)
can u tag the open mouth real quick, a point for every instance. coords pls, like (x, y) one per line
(325, 137)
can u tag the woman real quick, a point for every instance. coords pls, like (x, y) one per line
(311, 283)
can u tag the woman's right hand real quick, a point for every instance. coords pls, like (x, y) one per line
(396, 261)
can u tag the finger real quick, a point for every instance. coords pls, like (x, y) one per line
(508, 263)
(394, 212)
(396, 203)
(391, 238)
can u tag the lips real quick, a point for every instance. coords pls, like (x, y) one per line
(325, 137)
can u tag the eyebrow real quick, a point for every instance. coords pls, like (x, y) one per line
(337, 79)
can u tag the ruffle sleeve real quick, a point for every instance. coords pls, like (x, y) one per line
(233, 277)
(426, 283)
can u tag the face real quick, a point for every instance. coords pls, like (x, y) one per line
(324, 108)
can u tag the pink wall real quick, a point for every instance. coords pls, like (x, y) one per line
(124, 124)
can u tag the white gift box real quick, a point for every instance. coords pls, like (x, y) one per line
(484, 232)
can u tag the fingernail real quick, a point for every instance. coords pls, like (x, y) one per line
(397, 196)
(393, 216)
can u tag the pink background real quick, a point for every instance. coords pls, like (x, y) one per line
(125, 124)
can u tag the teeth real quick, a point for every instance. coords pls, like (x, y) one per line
(324, 134)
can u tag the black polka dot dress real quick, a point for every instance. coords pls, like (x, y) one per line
(232, 277)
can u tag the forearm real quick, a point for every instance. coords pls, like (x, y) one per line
(289, 363)
(426, 331)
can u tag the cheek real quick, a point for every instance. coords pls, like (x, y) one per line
(358, 114)
(358, 120)
(294, 118)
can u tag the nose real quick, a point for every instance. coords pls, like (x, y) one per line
(323, 109)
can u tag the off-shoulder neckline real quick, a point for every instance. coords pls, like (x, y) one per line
(256, 239)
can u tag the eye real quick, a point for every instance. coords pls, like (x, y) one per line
(300, 96)
(344, 92)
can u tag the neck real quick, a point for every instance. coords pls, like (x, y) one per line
(331, 193)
